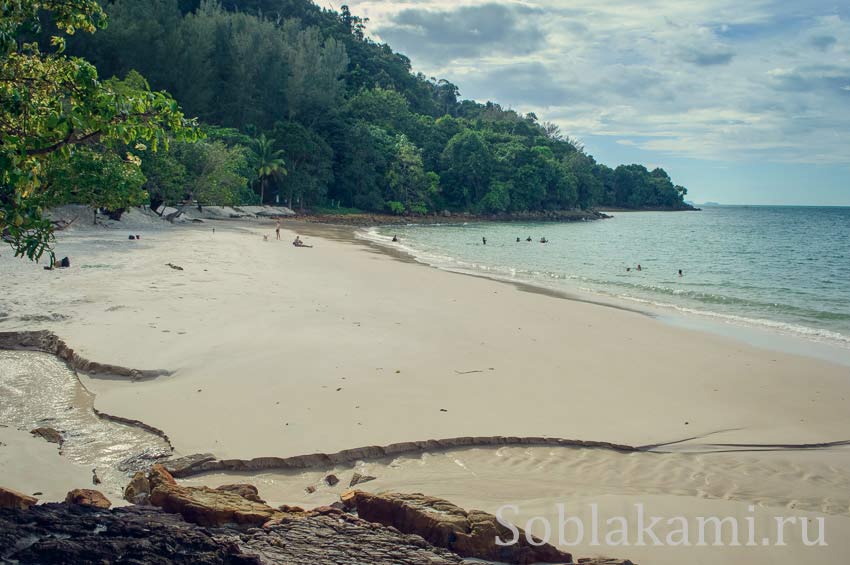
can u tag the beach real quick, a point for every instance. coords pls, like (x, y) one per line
(277, 351)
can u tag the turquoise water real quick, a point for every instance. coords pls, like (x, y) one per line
(786, 269)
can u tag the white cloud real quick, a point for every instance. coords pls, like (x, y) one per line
(763, 79)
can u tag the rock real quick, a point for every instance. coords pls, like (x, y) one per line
(64, 263)
(138, 490)
(88, 497)
(185, 466)
(290, 509)
(248, 492)
(205, 506)
(310, 489)
(49, 434)
(15, 500)
(358, 479)
(331, 480)
(469, 534)
(65, 533)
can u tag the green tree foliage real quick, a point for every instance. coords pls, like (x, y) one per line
(268, 163)
(101, 179)
(206, 172)
(353, 124)
(52, 104)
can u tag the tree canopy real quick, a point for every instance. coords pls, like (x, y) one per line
(53, 106)
(345, 117)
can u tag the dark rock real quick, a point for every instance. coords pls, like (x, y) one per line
(331, 480)
(88, 497)
(441, 523)
(64, 263)
(132, 238)
(358, 479)
(49, 434)
(310, 489)
(15, 500)
(62, 533)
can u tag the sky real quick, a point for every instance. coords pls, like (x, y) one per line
(741, 101)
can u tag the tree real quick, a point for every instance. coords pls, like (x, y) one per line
(410, 188)
(98, 178)
(268, 163)
(51, 104)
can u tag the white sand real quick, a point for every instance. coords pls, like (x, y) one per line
(261, 335)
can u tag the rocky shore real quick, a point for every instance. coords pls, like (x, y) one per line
(170, 523)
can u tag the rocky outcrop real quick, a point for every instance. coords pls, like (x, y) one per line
(48, 342)
(248, 492)
(331, 537)
(205, 506)
(65, 533)
(469, 534)
(15, 500)
(88, 497)
(138, 490)
(62, 533)
(48, 434)
(205, 463)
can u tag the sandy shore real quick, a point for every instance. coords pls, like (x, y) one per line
(283, 351)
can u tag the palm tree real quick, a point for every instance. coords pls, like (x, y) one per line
(268, 162)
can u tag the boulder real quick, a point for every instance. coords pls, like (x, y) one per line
(48, 434)
(15, 500)
(88, 497)
(159, 475)
(138, 490)
(331, 480)
(248, 492)
(468, 534)
(205, 506)
(357, 479)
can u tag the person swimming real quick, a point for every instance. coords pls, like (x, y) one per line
(639, 268)
(517, 240)
(529, 239)
(544, 240)
(484, 240)
(681, 274)
(395, 239)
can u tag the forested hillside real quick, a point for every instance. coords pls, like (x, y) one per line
(321, 115)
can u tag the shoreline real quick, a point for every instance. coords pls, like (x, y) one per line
(760, 333)
(275, 353)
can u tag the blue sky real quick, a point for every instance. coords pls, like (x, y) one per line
(743, 102)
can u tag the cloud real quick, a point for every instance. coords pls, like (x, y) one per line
(823, 42)
(464, 32)
(708, 59)
(721, 80)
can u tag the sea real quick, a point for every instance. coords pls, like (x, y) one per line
(783, 270)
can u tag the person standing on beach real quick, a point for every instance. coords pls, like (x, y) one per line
(277, 229)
